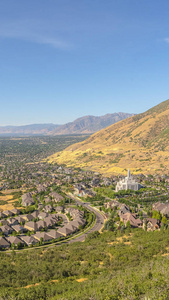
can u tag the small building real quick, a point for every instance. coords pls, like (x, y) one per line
(4, 244)
(42, 215)
(15, 211)
(18, 228)
(6, 229)
(31, 226)
(13, 221)
(56, 197)
(15, 240)
(54, 234)
(20, 219)
(8, 213)
(41, 225)
(50, 221)
(65, 230)
(35, 214)
(2, 215)
(28, 217)
(152, 224)
(28, 240)
(42, 235)
(134, 222)
(27, 199)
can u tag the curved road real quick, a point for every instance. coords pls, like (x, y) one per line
(98, 223)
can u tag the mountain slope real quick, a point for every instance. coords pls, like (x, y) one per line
(140, 142)
(90, 124)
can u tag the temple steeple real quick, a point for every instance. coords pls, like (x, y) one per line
(129, 173)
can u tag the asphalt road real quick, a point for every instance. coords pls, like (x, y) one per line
(97, 226)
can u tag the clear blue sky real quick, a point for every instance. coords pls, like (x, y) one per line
(60, 60)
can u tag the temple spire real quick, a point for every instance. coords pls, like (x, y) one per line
(129, 173)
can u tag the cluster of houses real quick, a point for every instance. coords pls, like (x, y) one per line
(125, 215)
(39, 225)
(28, 199)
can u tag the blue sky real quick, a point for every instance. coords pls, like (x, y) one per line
(60, 60)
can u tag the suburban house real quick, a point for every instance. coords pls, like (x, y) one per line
(32, 226)
(123, 210)
(18, 228)
(28, 240)
(15, 211)
(27, 199)
(6, 229)
(4, 243)
(8, 213)
(163, 208)
(2, 215)
(42, 235)
(65, 230)
(13, 221)
(14, 240)
(28, 217)
(42, 215)
(41, 225)
(134, 222)
(152, 224)
(54, 234)
(112, 204)
(56, 197)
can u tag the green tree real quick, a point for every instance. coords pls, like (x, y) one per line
(156, 215)
(164, 220)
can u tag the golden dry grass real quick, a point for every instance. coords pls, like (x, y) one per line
(111, 256)
(123, 145)
(30, 285)
(81, 279)
(6, 198)
(165, 254)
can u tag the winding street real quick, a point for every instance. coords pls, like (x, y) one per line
(98, 223)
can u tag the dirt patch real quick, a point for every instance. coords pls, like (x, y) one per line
(165, 254)
(81, 279)
(127, 243)
(112, 243)
(30, 285)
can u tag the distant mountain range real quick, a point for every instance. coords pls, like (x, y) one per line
(140, 143)
(84, 125)
(33, 129)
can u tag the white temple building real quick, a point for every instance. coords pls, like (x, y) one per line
(128, 183)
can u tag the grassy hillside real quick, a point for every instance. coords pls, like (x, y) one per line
(140, 142)
(109, 266)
